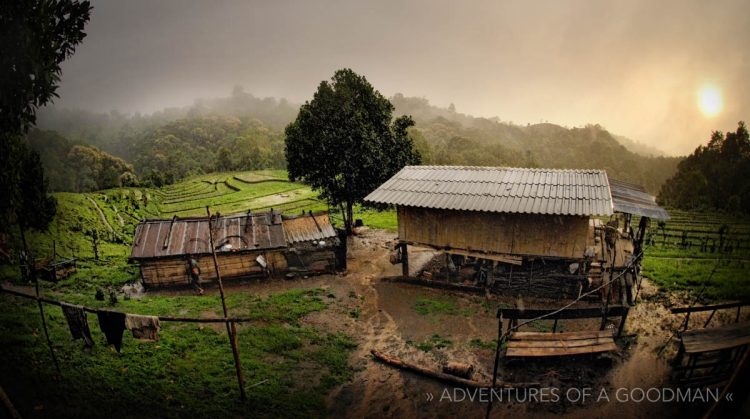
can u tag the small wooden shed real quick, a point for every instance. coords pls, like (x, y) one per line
(247, 245)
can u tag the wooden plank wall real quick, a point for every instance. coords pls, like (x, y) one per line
(317, 260)
(163, 272)
(520, 234)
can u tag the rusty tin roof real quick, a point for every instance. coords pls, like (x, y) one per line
(307, 228)
(189, 236)
(165, 238)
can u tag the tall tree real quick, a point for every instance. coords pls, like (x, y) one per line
(345, 143)
(35, 37)
(714, 176)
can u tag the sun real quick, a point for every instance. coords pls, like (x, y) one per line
(709, 100)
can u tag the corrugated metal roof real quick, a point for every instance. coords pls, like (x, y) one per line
(498, 189)
(633, 199)
(189, 236)
(307, 228)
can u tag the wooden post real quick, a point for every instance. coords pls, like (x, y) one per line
(687, 321)
(32, 271)
(498, 348)
(231, 329)
(709, 319)
(404, 260)
(622, 322)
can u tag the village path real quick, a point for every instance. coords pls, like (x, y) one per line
(101, 215)
(375, 385)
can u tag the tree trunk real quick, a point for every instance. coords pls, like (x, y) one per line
(25, 272)
(349, 217)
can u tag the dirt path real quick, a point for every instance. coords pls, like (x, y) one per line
(388, 322)
(374, 385)
(101, 214)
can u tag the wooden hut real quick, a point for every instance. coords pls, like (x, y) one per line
(513, 215)
(247, 245)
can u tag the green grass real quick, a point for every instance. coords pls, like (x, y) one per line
(687, 268)
(427, 306)
(444, 306)
(729, 281)
(434, 342)
(189, 371)
(478, 343)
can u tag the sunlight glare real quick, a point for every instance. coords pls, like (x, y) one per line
(709, 100)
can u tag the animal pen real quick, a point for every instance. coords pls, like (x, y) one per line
(248, 245)
(551, 231)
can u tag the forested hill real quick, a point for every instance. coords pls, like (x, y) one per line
(448, 137)
(242, 132)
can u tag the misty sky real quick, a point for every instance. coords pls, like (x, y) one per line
(633, 66)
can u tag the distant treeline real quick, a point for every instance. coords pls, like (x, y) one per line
(76, 167)
(243, 132)
(715, 176)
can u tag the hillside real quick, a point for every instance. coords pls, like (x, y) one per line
(78, 167)
(242, 132)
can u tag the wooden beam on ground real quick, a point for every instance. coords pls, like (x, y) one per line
(452, 379)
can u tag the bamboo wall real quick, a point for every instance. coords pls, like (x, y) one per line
(518, 234)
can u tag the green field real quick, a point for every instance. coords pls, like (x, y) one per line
(702, 253)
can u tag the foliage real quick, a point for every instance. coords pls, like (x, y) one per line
(446, 137)
(24, 189)
(440, 136)
(36, 36)
(79, 168)
(345, 143)
(714, 176)
(206, 144)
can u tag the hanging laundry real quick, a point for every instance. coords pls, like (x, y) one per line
(77, 322)
(143, 327)
(112, 324)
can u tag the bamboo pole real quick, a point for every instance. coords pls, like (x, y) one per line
(32, 271)
(231, 329)
(497, 359)
(44, 322)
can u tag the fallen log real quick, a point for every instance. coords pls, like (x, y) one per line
(458, 369)
(460, 382)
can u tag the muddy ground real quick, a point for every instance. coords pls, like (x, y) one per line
(381, 315)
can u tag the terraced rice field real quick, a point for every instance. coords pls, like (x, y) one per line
(237, 192)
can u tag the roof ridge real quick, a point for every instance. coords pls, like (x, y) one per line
(500, 168)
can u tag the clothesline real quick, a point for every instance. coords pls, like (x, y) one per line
(161, 318)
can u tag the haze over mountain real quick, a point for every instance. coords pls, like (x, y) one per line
(635, 67)
(243, 132)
